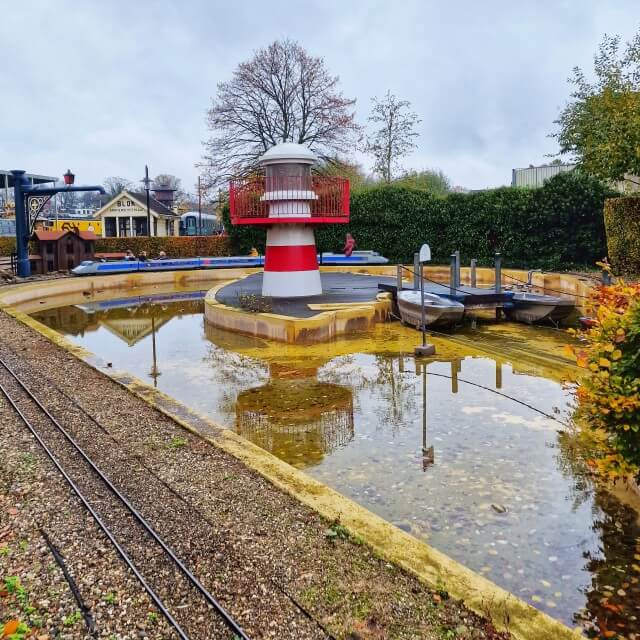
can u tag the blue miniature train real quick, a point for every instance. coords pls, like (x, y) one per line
(91, 268)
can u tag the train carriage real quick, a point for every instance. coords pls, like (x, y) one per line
(90, 268)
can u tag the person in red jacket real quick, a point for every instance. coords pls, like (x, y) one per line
(349, 245)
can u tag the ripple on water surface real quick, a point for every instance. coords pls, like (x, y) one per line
(469, 452)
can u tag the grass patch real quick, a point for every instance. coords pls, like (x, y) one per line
(177, 443)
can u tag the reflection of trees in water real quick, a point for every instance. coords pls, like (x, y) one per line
(388, 377)
(299, 420)
(614, 595)
(395, 389)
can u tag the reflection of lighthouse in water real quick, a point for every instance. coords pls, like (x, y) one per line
(296, 417)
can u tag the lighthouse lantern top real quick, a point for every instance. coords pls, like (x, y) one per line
(288, 153)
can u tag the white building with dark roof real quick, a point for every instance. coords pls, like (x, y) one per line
(125, 216)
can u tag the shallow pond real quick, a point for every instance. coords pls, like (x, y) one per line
(470, 452)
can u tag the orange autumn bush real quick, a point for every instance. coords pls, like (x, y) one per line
(609, 398)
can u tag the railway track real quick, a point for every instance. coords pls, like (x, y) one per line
(187, 605)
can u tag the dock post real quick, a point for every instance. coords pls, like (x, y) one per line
(399, 277)
(457, 254)
(416, 271)
(498, 264)
(454, 376)
(452, 274)
(474, 265)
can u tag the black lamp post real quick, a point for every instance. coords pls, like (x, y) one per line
(147, 186)
(29, 200)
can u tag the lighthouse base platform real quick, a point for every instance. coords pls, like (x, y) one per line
(348, 303)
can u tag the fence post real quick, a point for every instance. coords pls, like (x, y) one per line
(474, 264)
(498, 265)
(457, 255)
(416, 271)
(452, 274)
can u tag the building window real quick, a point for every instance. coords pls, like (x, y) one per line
(140, 226)
(125, 229)
(110, 227)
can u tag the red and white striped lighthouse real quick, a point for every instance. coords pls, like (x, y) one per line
(289, 200)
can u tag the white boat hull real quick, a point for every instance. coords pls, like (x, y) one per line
(534, 307)
(438, 311)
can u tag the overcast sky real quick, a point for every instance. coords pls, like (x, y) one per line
(105, 87)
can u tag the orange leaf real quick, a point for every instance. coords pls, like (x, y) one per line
(10, 627)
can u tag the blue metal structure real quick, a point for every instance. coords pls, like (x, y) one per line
(38, 196)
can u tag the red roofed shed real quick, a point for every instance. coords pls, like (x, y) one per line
(61, 250)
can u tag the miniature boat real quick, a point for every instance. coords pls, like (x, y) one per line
(536, 307)
(438, 310)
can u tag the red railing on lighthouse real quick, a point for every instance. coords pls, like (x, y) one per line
(301, 199)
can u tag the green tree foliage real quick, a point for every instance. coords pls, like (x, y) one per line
(600, 126)
(559, 225)
(433, 181)
(622, 220)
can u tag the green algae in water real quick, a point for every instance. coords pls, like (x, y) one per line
(359, 413)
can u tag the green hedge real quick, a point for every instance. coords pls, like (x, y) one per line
(622, 220)
(174, 247)
(557, 226)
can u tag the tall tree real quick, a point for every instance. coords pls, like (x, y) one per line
(113, 185)
(394, 135)
(600, 126)
(282, 94)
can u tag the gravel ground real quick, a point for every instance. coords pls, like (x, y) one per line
(265, 556)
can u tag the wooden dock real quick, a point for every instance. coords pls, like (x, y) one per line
(470, 297)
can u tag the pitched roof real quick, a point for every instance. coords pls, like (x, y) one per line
(44, 236)
(154, 205)
(49, 236)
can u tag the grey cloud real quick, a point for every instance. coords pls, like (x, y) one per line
(105, 87)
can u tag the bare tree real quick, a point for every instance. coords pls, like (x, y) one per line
(282, 94)
(114, 185)
(394, 137)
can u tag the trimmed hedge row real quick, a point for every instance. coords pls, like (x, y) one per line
(557, 226)
(622, 220)
(174, 247)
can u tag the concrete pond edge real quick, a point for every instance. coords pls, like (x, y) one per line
(430, 566)
(332, 320)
